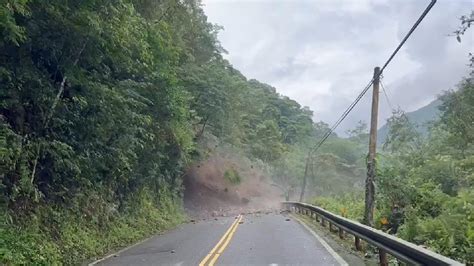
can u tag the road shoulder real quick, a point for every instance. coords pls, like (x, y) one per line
(344, 248)
(331, 251)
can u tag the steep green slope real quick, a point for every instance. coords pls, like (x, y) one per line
(102, 107)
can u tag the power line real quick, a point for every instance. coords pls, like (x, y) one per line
(422, 16)
(343, 116)
(364, 91)
(386, 95)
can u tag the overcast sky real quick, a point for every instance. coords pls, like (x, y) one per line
(322, 52)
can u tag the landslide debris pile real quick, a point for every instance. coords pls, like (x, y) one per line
(224, 185)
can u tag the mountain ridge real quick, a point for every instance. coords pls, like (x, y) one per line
(420, 117)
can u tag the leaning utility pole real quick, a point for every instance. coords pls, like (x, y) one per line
(371, 163)
(305, 177)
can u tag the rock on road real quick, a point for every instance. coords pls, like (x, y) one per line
(254, 239)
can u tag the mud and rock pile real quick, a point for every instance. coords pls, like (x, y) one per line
(209, 192)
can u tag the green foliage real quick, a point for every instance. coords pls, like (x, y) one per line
(90, 109)
(450, 232)
(402, 136)
(425, 187)
(457, 118)
(58, 235)
(359, 133)
(232, 176)
(107, 100)
(103, 105)
(432, 180)
(11, 31)
(348, 205)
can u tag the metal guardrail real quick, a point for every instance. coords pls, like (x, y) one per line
(386, 243)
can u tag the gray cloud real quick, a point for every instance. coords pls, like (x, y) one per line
(322, 53)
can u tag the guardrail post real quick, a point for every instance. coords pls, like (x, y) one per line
(383, 257)
(332, 227)
(357, 243)
(323, 222)
(341, 233)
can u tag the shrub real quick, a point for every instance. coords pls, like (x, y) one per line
(232, 176)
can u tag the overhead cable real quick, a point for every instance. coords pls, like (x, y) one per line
(364, 91)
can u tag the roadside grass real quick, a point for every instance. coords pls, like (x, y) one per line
(54, 236)
(350, 205)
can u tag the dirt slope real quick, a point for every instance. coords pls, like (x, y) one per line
(209, 193)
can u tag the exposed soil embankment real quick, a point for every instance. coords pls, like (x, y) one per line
(222, 186)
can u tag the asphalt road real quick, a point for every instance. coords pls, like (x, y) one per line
(254, 239)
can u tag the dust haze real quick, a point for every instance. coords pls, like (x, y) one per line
(208, 193)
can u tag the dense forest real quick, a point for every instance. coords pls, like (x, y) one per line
(104, 105)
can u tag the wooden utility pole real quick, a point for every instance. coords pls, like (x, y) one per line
(371, 164)
(305, 177)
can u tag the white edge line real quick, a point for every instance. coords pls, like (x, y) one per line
(331, 251)
(120, 251)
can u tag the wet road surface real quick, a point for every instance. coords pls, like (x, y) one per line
(253, 239)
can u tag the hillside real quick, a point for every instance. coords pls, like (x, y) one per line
(420, 118)
(122, 119)
(103, 123)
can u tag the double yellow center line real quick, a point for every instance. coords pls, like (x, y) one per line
(221, 245)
